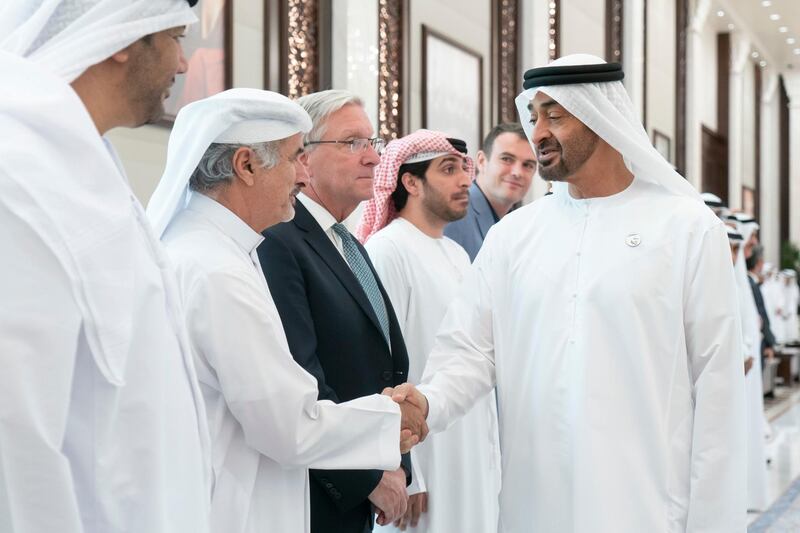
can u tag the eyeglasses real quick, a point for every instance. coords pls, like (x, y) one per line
(357, 146)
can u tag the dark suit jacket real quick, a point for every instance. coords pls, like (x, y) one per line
(335, 335)
(768, 339)
(470, 231)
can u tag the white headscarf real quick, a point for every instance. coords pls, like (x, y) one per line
(74, 196)
(65, 37)
(235, 116)
(606, 109)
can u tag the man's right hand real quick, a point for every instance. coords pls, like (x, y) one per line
(412, 416)
(390, 497)
(748, 364)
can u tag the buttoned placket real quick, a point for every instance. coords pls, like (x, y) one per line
(575, 287)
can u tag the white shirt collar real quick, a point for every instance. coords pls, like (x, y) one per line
(320, 214)
(227, 221)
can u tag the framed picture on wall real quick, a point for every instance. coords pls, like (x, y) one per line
(663, 145)
(207, 48)
(452, 88)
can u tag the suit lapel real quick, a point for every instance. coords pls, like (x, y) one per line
(322, 245)
(483, 211)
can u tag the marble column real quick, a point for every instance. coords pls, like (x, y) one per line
(770, 160)
(633, 53)
(792, 82)
(740, 53)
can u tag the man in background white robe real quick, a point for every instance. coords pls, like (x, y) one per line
(456, 473)
(240, 149)
(606, 316)
(756, 423)
(102, 427)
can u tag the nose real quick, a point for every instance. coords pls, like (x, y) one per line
(540, 132)
(301, 174)
(183, 64)
(370, 157)
(464, 180)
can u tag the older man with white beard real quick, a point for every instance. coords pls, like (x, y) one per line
(233, 171)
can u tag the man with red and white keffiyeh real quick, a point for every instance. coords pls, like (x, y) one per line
(421, 184)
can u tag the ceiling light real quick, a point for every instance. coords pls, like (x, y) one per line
(720, 13)
(797, 51)
(763, 64)
(783, 29)
(766, 3)
(791, 40)
(754, 55)
(775, 16)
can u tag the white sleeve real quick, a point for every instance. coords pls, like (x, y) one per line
(460, 369)
(235, 327)
(713, 343)
(39, 334)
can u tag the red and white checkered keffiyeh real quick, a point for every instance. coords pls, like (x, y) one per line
(380, 211)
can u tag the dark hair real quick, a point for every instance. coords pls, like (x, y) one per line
(755, 256)
(494, 133)
(400, 194)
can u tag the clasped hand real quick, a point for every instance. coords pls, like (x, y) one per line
(413, 411)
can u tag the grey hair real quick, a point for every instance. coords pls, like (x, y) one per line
(321, 105)
(216, 166)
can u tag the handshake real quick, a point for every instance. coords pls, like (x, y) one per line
(413, 411)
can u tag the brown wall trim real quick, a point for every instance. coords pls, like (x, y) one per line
(784, 163)
(644, 67)
(757, 140)
(506, 82)
(615, 21)
(391, 68)
(554, 28)
(723, 84)
(681, 36)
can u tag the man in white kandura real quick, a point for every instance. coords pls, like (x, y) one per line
(756, 424)
(422, 184)
(606, 316)
(232, 171)
(102, 427)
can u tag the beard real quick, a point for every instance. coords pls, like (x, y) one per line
(578, 150)
(438, 205)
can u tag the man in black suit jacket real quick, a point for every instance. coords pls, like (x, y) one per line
(335, 331)
(754, 265)
(506, 165)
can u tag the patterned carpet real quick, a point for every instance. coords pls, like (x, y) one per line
(783, 516)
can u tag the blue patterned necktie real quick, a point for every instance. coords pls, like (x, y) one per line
(364, 276)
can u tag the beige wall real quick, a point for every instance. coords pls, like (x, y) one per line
(583, 27)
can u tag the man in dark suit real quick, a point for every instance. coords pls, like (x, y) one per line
(506, 165)
(338, 319)
(754, 265)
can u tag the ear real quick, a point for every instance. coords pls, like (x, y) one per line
(244, 164)
(412, 183)
(480, 161)
(124, 55)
